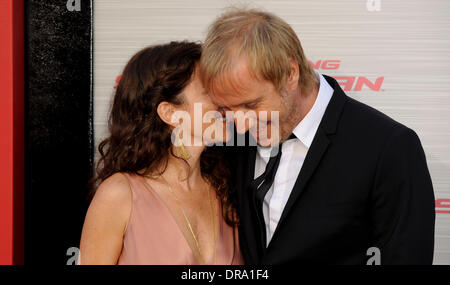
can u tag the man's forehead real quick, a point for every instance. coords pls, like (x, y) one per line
(235, 99)
(225, 99)
(234, 87)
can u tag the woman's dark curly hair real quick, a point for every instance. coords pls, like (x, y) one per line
(139, 141)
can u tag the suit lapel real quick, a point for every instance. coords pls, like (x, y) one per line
(245, 169)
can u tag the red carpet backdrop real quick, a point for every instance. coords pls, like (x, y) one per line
(392, 55)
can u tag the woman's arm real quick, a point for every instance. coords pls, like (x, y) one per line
(106, 222)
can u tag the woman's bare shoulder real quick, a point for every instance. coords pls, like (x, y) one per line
(114, 188)
(113, 199)
(106, 221)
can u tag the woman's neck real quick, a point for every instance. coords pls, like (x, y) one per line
(187, 175)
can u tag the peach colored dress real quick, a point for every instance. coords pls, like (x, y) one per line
(153, 235)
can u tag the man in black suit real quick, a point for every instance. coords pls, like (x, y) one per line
(340, 182)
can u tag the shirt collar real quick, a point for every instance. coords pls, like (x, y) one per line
(307, 128)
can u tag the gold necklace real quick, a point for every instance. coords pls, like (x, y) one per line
(189, 223)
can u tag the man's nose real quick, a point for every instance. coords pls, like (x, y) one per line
(241, 128)
(244, 122)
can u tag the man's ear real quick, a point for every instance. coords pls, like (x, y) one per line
(294, 75)
(165, 111)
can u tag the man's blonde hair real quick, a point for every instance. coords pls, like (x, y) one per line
(266, 41)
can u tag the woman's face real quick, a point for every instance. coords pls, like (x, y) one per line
(206, 123)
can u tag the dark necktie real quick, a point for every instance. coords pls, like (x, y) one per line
(259, 188)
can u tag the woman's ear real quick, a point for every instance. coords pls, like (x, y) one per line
(294, 75)
(165, 111)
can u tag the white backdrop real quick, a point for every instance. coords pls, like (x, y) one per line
(393, 55)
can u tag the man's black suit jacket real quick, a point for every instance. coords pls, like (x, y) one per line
(364, 183)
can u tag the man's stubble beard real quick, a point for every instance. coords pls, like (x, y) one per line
(289, 117)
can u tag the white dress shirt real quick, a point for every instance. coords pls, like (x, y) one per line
(293, 155)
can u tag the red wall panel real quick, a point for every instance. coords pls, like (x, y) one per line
(11, 131)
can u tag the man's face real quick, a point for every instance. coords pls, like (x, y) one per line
(241, 92)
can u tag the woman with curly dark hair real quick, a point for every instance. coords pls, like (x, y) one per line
(161, 199)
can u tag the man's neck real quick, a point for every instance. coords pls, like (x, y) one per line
(303, 103)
